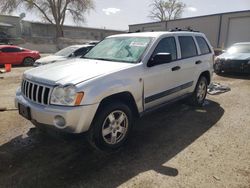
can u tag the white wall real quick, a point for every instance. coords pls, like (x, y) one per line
(238, 30)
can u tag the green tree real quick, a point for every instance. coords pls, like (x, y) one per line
(52, 11)
(166, 10)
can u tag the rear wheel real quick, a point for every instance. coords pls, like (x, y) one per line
(28, 61)
(200, 93)
(111, 127)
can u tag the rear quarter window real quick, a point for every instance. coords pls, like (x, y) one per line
(188, 47)
(203, 45)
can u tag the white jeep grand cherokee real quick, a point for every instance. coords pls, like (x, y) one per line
(123, 77)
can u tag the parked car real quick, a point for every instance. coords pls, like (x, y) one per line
(4, 38)
(235, 59)
(122, 77)
(64, 54)
(17, 56)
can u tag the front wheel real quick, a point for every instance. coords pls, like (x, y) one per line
(28, 61)
(200, 92)
(111, 127)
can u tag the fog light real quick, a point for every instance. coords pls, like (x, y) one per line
(59, 121)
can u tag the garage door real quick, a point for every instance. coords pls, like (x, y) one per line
(239, 30)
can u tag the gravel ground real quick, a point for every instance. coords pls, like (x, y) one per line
(178, 146)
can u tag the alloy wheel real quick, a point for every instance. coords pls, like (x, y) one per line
(115, 127)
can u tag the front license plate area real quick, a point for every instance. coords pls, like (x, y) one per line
(24, 111)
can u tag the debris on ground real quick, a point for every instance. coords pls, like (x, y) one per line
(2, 109)
(217, 88)
(216, 178)
(2, 71)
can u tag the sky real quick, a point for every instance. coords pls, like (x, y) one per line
(118, 14)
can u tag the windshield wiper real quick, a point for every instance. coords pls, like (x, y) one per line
(102, 59)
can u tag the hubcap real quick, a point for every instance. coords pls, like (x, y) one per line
(28, 61)
(115, 127)
(201, 92)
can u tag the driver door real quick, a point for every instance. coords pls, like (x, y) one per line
(161, 81)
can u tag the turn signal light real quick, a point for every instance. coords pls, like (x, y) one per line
(79, 98)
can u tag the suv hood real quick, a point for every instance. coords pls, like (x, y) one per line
(236, 56)
(73, 71)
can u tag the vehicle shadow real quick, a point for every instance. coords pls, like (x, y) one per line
(242, 76)
(38, 160)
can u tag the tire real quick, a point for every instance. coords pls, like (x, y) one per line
(28, 61)
(199, 95)
(106, 133)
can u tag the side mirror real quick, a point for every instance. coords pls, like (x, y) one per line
(160, 58)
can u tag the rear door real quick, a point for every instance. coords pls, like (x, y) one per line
(205, 53)
(7, 56)
(189, 59)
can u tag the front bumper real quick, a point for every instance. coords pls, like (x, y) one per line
(77, 119)
(238, 66)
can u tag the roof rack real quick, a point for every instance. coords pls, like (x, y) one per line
(186, 29)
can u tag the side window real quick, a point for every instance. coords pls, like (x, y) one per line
(82, 51)
(16, 50)
(188, 47)
(5, 49)
(10, 50)
(202, 43)
(167, 45)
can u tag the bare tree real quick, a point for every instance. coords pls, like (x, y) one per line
(166, 10)
(52, 11)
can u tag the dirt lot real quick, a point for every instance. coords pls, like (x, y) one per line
(178, 146)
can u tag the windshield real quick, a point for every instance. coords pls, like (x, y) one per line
(239, 48)
(66, 51)
(122, 49)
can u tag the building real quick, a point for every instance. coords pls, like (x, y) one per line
(42, 36)
(221, 29)
(45, 30)
(10, 25)
(17, 28)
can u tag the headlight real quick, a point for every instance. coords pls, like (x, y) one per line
(217, 60)
(36, 64)
(66, 95)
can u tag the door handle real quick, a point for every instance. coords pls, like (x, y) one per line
(176, 68)
(198, 62)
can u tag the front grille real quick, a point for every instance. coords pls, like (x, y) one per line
(236, 62)
(232, 61)
(35, 92)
